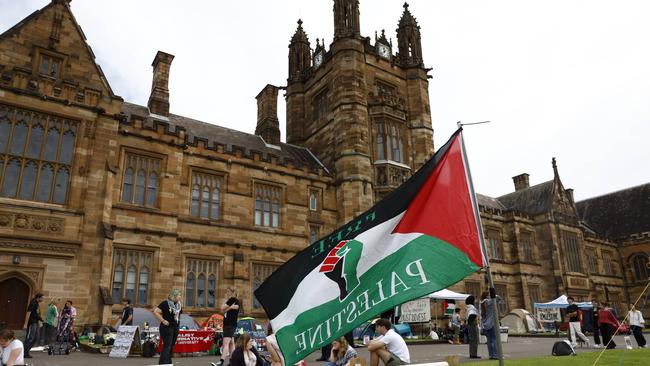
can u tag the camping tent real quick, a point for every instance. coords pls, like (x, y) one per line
(142, 315)
(447, 295)
(520, 321)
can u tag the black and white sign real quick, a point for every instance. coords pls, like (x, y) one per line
(126, 334)
(416, 311)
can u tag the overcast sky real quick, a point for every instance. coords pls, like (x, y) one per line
(564, 79)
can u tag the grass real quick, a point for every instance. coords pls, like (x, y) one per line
(635, 357)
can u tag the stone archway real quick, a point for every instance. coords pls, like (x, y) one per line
(14, 298)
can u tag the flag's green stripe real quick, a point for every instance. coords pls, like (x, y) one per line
(424, 265)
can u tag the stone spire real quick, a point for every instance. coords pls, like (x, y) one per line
(346, 19)
(408, 40)
(299, 54)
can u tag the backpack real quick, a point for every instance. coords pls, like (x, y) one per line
(563, 348)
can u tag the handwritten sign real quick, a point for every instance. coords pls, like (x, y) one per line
(548, 315)
(416, 311)
(124, 342)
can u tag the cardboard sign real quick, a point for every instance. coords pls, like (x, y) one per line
(548, 315)
(124, 342)
(416, 311)
(192, 341)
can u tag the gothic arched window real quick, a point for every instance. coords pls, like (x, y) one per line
(141, 181)
(640, 266)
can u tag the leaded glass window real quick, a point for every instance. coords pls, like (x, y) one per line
(36, 155)
(201, 283)
(131, 276)
(206, 196)
(140, 184)
(267, 205)
(260, 273)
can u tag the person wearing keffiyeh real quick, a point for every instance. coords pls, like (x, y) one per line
(168, 313)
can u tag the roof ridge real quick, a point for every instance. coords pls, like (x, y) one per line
(613, 192)
(525, 189)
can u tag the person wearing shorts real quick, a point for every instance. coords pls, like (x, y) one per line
(389, 347)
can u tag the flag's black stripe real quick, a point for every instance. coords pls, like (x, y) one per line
(275, 293)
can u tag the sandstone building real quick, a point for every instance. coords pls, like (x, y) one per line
(101, 198)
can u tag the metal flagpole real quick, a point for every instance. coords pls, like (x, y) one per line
(477, 216)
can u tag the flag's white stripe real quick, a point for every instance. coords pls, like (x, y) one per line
(316, 289)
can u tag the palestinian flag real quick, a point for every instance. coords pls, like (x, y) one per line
(421, 238)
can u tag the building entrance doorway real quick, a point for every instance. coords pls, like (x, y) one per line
(14, 296)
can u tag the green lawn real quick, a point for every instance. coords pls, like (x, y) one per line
(635, 357)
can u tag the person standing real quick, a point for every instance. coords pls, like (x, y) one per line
(11, 349)
(51, 320)
(608, 324)
(33, 322)
(455, 325)
(573, 314)
(168, 313)
(594, 324)
(230, 310)
(127, 312)
(472, 325)
(636, 322)
(488, 325)
(389, 347)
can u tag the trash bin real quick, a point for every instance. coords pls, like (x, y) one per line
(504, 334)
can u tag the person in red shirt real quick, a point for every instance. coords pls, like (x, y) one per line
(608, 325)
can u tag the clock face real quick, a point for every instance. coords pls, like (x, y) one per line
(384, 51)
(318, 59)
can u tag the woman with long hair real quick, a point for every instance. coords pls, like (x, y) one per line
(342, 353)
(245, 353)
(168, 313)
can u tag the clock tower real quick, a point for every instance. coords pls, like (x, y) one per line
(360, 108)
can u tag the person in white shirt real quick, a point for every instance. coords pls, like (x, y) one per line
(389, 347)
(11, 349)
(472, 325)
(636, 321)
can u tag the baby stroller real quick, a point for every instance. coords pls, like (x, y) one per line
(63, 338)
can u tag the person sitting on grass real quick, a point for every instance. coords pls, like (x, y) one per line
(341, 353)
(389, 347)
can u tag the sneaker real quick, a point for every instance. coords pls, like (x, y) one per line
(213, 364)
(598, 346)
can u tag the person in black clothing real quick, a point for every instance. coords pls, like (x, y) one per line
(594, 323)
(33, 322)
(127, 312)
(245, 353)
(168, 313)
(230, 310)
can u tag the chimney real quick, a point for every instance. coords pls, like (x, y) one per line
(521, 181)
(268, 125)
(159, 98)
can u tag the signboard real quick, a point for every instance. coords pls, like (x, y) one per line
(548, 315)
(192, 341)
(124, 342)
(416, 311)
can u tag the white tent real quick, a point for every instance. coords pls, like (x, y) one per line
(561, 303)
(447, 295)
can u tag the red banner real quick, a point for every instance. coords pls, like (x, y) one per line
(192, 341)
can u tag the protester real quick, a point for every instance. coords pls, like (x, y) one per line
(245, 353)
(636, 322)
(11, 349)
(273, 348)
(455, 326)
(608, 325)
(66, 322)
(389, 347)
(573, 314)
(168, 313)
(472, 325)
(33, 322)
(594, 324)
(127, 312)
(342, 352)
(230, 310)
(51, 321)
(488, 326)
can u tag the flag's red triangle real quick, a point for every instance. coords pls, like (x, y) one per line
(443, 207)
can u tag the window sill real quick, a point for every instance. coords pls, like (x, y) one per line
(53, 207)
(134, 207)
(201, 220)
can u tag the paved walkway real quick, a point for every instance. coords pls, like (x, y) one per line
(517, 347)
